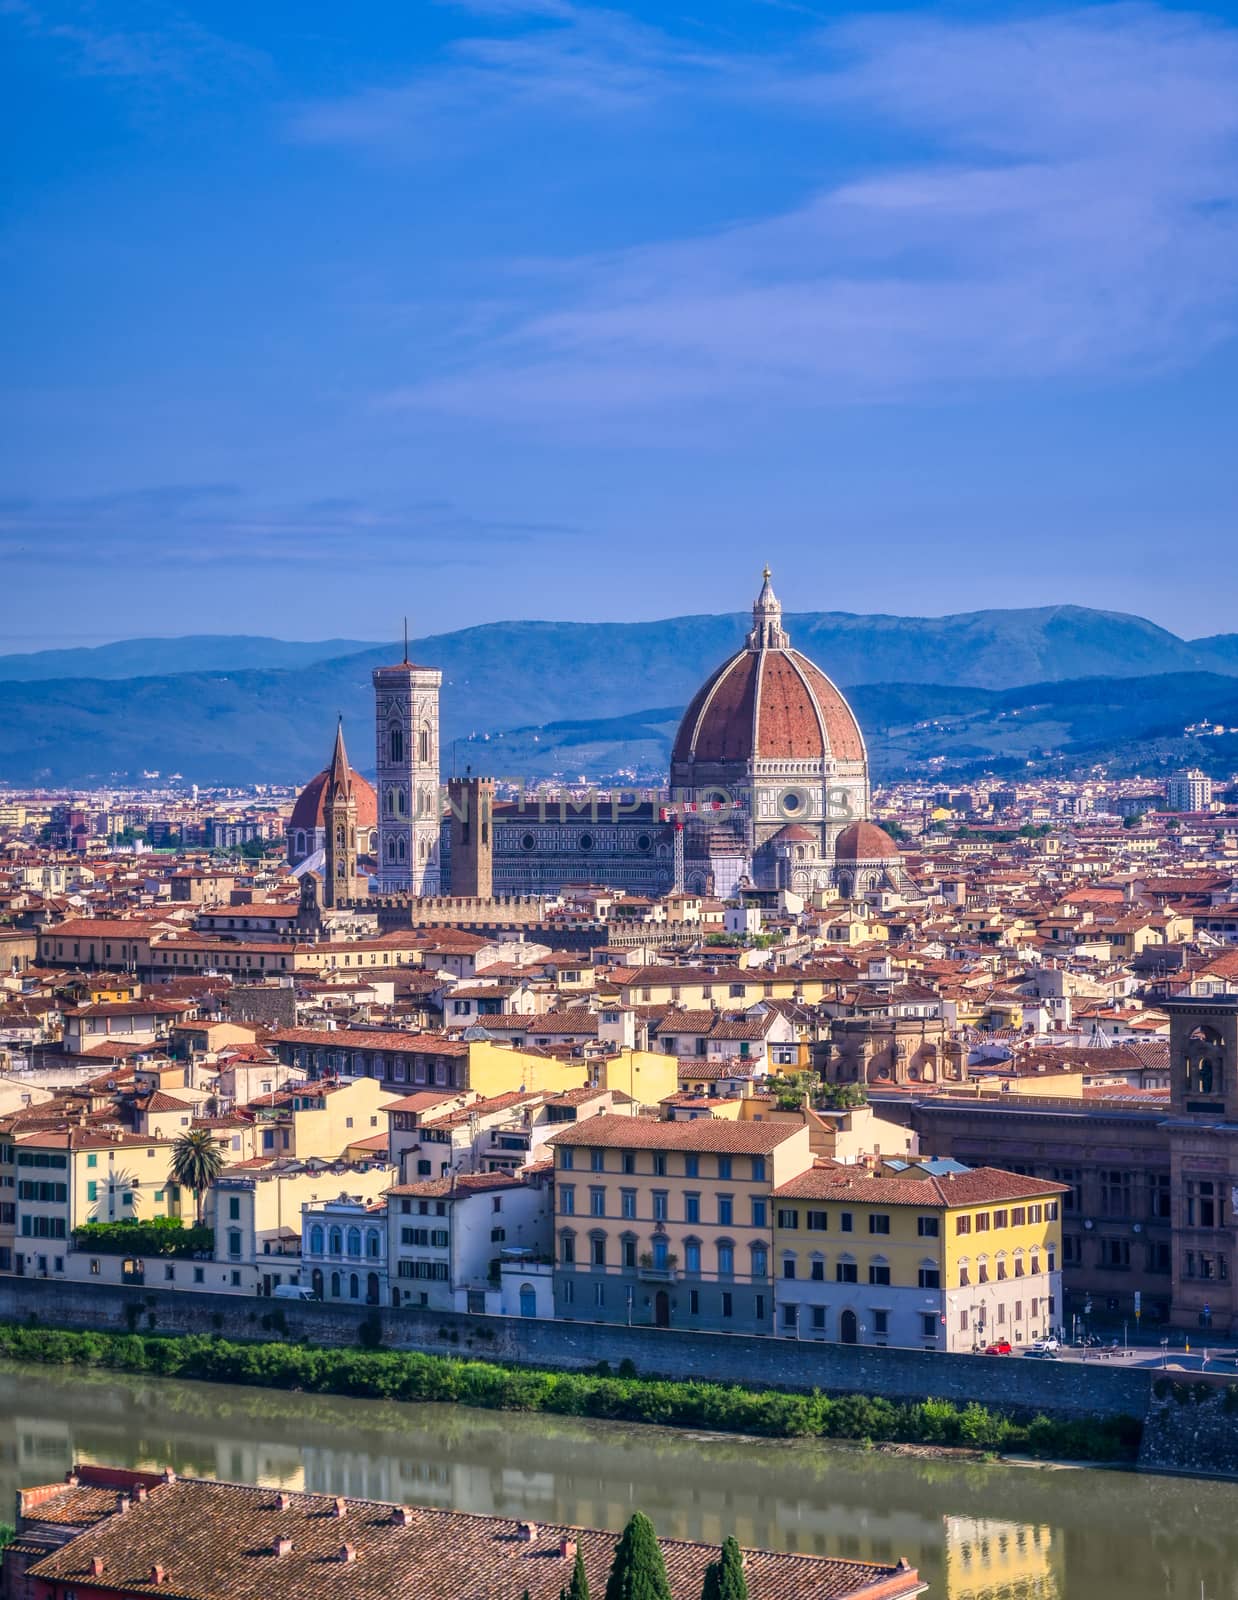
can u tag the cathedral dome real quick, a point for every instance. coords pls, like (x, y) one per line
(307, 814)
(769, 702)
(864, 841)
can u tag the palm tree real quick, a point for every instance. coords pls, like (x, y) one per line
(197, 1161)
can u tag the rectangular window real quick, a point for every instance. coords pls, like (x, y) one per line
(788, 1266)
(818, 1269)
(930, 1278)
(628, 1161)
(691, 1207)
(846, 1221)
(597, 1202)
(982, 1222)
(661, 1205)
(928, 1227)
(928, 1325)
(629, 1254)
(727, 1303)
(879, 1273)
(845, 1272)
(692, 1166)
(234, 1209)
(788, 1218)
(597, 1160)
(597, 1252)
(567, 1199)
(758, 1169)
(759, 1213)
(567, 1160)
(759, 1308)
(878, 1222)
(659, 1164)
(818, 1221)
(726, 1210)
(1000, 1219)
(818, 1319)
(627, 1203)
(724, 1166)
(962, 1225)
(694, 1302)
(881, 1323)
(567, 1251)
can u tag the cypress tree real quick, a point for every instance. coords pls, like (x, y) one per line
(578, 1588)
(732, 1585)
(638, 1571)
(710, 1590)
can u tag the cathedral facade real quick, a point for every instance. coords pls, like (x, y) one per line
(769, 789)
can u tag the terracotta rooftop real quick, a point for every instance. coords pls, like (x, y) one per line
(223, 1541)
(616, 1132)
(978, 1186)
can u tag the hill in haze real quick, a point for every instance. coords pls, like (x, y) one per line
(546, 687)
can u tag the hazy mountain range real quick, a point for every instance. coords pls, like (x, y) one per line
(986, 688)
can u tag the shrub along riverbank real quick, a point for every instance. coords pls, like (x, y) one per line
(623, 1397)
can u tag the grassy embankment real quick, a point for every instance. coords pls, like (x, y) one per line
(624, 1396)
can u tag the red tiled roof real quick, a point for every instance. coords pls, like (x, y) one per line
(979, 1186)
(217, 1541)
(617, 1132)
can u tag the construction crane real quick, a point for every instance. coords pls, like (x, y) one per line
(677, 810)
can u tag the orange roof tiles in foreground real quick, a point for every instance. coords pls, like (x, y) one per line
(203, 1540)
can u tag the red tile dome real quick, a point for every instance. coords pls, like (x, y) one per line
(768, 703)
(307, 814)
(864, 841)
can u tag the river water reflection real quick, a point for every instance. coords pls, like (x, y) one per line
(975, 1531)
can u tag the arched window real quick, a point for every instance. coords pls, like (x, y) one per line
(337, 1242)
(299, 843)
(373, 1248)
(354, 1241)
(400, 849)
(390, 849)
(315, 1241)
(395, 742)
(528, 1300)
(424, 750)
(726, 1258)
(354, 1287)
(335, 1285)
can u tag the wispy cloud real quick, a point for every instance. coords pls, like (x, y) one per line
(1074, 213)
(162, 44)
(572, 60)
(194, 526)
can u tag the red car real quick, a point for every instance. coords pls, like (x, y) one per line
(1001, 1348)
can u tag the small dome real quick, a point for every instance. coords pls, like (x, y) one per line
(864, 841)
(795, 833)
(307, 814)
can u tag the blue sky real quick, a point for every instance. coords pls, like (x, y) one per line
(316, 314)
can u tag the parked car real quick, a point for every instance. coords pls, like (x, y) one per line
(1000, 1347)
(1046, 1347)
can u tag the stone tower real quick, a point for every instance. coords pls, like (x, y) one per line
(339, 816)
(472, 844)
(406, 777)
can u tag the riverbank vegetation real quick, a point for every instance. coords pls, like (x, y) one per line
(625, 1396)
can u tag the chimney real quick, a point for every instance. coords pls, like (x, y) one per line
(96, 1566)
(283, 1545)
(168, 1475)
(527, 1532)
(122, 1503)
(348, 1552)
(141, 1492)
(282, 1501)
(567, 1548)
(341, 1506)
(402, 1517)
(157, 1573)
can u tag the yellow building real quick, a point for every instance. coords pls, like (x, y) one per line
(498, 1069)
(669, 1223)
(647, 1076)
(931, 1255)
(322, 1119)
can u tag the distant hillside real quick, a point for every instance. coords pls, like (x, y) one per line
(562, 695)
(143, 658)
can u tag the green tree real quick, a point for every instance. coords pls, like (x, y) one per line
(732, 1584)
(711, 1589)
(197, 1161)
(638, 1571)
(578, 1588)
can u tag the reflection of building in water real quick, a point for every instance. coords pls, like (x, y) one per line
(988, 1559)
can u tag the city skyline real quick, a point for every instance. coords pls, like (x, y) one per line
(475, 306)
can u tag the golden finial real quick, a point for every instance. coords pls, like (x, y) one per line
(767, 574)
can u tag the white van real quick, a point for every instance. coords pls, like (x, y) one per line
(292, 1291)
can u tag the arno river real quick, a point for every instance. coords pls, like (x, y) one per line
(992, 1532)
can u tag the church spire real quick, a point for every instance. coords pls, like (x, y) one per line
(339, 780)
(768, 632)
